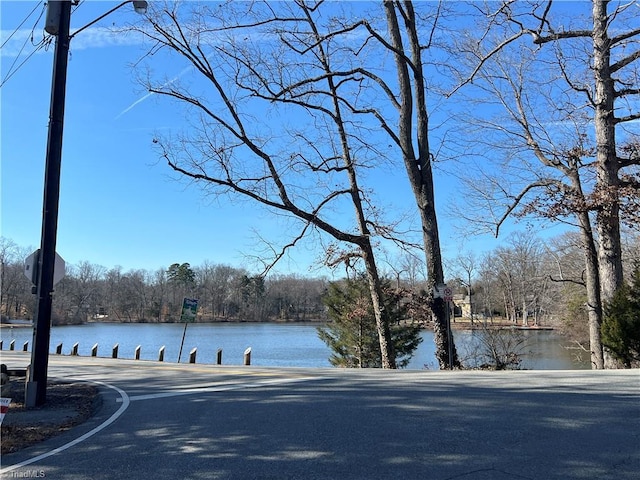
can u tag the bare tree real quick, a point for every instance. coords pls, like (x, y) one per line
(413, 141)
(568, 98)
(157, 294)
(84, 289)
(16, 300)
(292, 297)
(568, 273)
(250, 60)
(466, 263)
(488, 287)
(523, 277)
(631, 250)
(301, 56)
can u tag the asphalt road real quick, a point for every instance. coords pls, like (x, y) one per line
(168, 421)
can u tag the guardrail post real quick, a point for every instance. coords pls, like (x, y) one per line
(1, 344)
(137, 355)
(192, 355)
(161, 354)
(247, 356)
(74, 349)
(114, 352)
(219, 357)
(25, 347)
(12, 345)
(59, 349)
(94, 350)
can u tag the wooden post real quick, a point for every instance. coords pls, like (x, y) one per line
(94, 350)
(12, 345)
(59, 349)
(161, 354)
(247, 356)
(219, 357)
(74, 349)
(114, 352)
(25, 347)
(192, 355)
(137, 356)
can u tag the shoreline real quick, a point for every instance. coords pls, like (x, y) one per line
(460, 324)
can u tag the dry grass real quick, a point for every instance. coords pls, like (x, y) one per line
(67, 405)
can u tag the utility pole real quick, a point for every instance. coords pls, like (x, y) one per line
(57, 23)
(36, 387)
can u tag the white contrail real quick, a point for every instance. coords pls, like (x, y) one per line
(140, 100)
(143, 98)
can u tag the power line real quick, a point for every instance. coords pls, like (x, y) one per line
(22, 23)
(42, 43)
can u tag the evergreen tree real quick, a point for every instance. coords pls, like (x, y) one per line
(621, 323)
(352, 334)
(181, 274)
(253, 292)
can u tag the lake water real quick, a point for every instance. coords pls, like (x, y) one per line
(272, 344)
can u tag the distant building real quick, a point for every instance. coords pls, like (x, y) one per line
(462, 305)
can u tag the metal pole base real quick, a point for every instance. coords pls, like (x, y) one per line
(31, 394)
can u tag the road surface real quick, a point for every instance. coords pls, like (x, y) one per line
(169, 421)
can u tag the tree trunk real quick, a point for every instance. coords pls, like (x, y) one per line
(382, 321)
(418, 167)
(592, 279)
(594, 305)
(382, 324)
(441, 337)
(608, 221)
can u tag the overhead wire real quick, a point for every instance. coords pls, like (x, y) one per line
(45, 42)
(42, 44)
(38, 46)
(20, 26)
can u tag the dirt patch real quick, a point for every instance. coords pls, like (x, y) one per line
(67, 405)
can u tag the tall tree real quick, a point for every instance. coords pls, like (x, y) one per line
(181, 274)
(301, 170)
(323, 59)
(569, 98)
(182, 280)
(413, 141)
(157, 294)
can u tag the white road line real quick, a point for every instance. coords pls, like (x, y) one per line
(219, 388)
(124, 398)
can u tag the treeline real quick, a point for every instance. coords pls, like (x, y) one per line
(92, 292)
(524, 281)
(531, 282)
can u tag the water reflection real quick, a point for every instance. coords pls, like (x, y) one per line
(284, 345)
(537, 349)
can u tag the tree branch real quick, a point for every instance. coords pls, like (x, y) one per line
(625, 61)
(518, 198)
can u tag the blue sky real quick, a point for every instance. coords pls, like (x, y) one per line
(120, 205)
